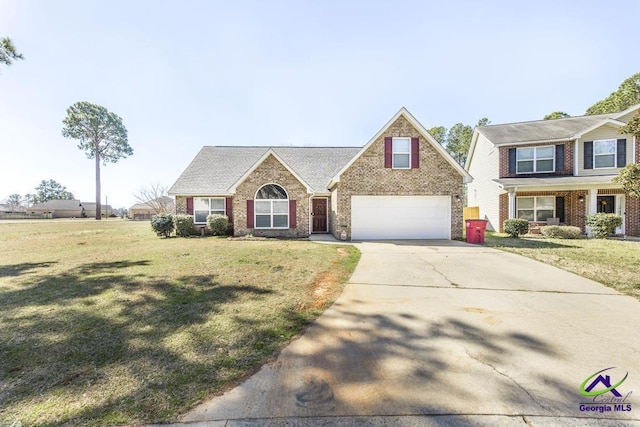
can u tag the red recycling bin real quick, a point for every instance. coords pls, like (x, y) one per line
(475, 230)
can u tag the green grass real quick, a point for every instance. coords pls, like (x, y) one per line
(614, 263)
(105, 323)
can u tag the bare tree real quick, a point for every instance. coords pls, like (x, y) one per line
(155, 195)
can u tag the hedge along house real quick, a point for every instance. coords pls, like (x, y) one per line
(401, 185)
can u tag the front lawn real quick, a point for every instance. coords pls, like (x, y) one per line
(105, 323)
(614, 263)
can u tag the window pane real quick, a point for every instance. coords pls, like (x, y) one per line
(263, 207)
(544, 165)
(217, 204)
(524, 153)
(281, 220)
(201, 216)
(271, 191)
(605, 161)
(200, 204)
(525, 203)
(604, 147)
(544, 215)
(544, 203)
(526, 214)
(217, 212)
(401, 145)
(545, 152)
(263, 221)
(401, 161)
(280, 206)
(526, 166)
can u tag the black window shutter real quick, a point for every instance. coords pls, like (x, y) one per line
(559, 157)
(512, 160)
(622, 153)
(588, 154)
(560, 208)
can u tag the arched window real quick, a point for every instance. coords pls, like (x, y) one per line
(272, 207)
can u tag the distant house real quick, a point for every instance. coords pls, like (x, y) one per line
(142, 211)
(89, 210)
(58, 209)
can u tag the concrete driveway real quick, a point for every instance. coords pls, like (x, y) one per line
(445, 333)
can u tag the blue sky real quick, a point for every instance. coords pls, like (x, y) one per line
(327, 73)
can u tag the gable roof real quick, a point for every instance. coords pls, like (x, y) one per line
(264, 157)
(403, 112)
(545, 130)
(166, 199)
(541, 130)
(215, 170)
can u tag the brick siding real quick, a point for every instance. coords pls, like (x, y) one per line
(504, 160)
(368, 176)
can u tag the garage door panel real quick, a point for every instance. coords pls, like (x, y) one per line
(400, 217)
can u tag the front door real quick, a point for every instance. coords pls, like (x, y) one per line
(606, 204)
(319, 215)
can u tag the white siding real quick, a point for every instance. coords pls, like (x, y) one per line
(604, 132)
(483, 191)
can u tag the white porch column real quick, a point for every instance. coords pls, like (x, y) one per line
(512, 204)
(593, 201)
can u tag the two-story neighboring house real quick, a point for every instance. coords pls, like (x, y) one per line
(553, 171)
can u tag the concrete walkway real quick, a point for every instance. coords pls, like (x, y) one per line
(445, 333)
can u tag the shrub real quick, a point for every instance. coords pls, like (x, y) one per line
(561, 232)
(184, 225)
(603, 224)
(163, 224)
(218, 224)
(516, 227)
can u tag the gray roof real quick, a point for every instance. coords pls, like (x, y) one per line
(540, 130)
(63, 205)
(215, 169)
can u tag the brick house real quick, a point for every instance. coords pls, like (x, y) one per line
(401, 185)
(553, 171)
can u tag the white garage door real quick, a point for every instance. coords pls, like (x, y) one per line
(400, 217)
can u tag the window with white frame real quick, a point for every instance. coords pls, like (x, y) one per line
(604, 153)
(401, 148)
(535, 159)
(205, 206)
(535, 208)
(271, 207)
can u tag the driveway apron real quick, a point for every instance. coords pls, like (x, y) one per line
(446, 328)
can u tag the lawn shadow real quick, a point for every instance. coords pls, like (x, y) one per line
(14, 270)
(58, 339)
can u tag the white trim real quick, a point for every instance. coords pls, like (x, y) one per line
(633, 150)
(613, 122)
(393, 153)
(627, 111)
(209, 198)
(311, 216)
(255, 211)
(416, 124)
(266, 155)
(576, 159)
(535, 207)
(615, 154)
(535, 159)
(472, 147)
